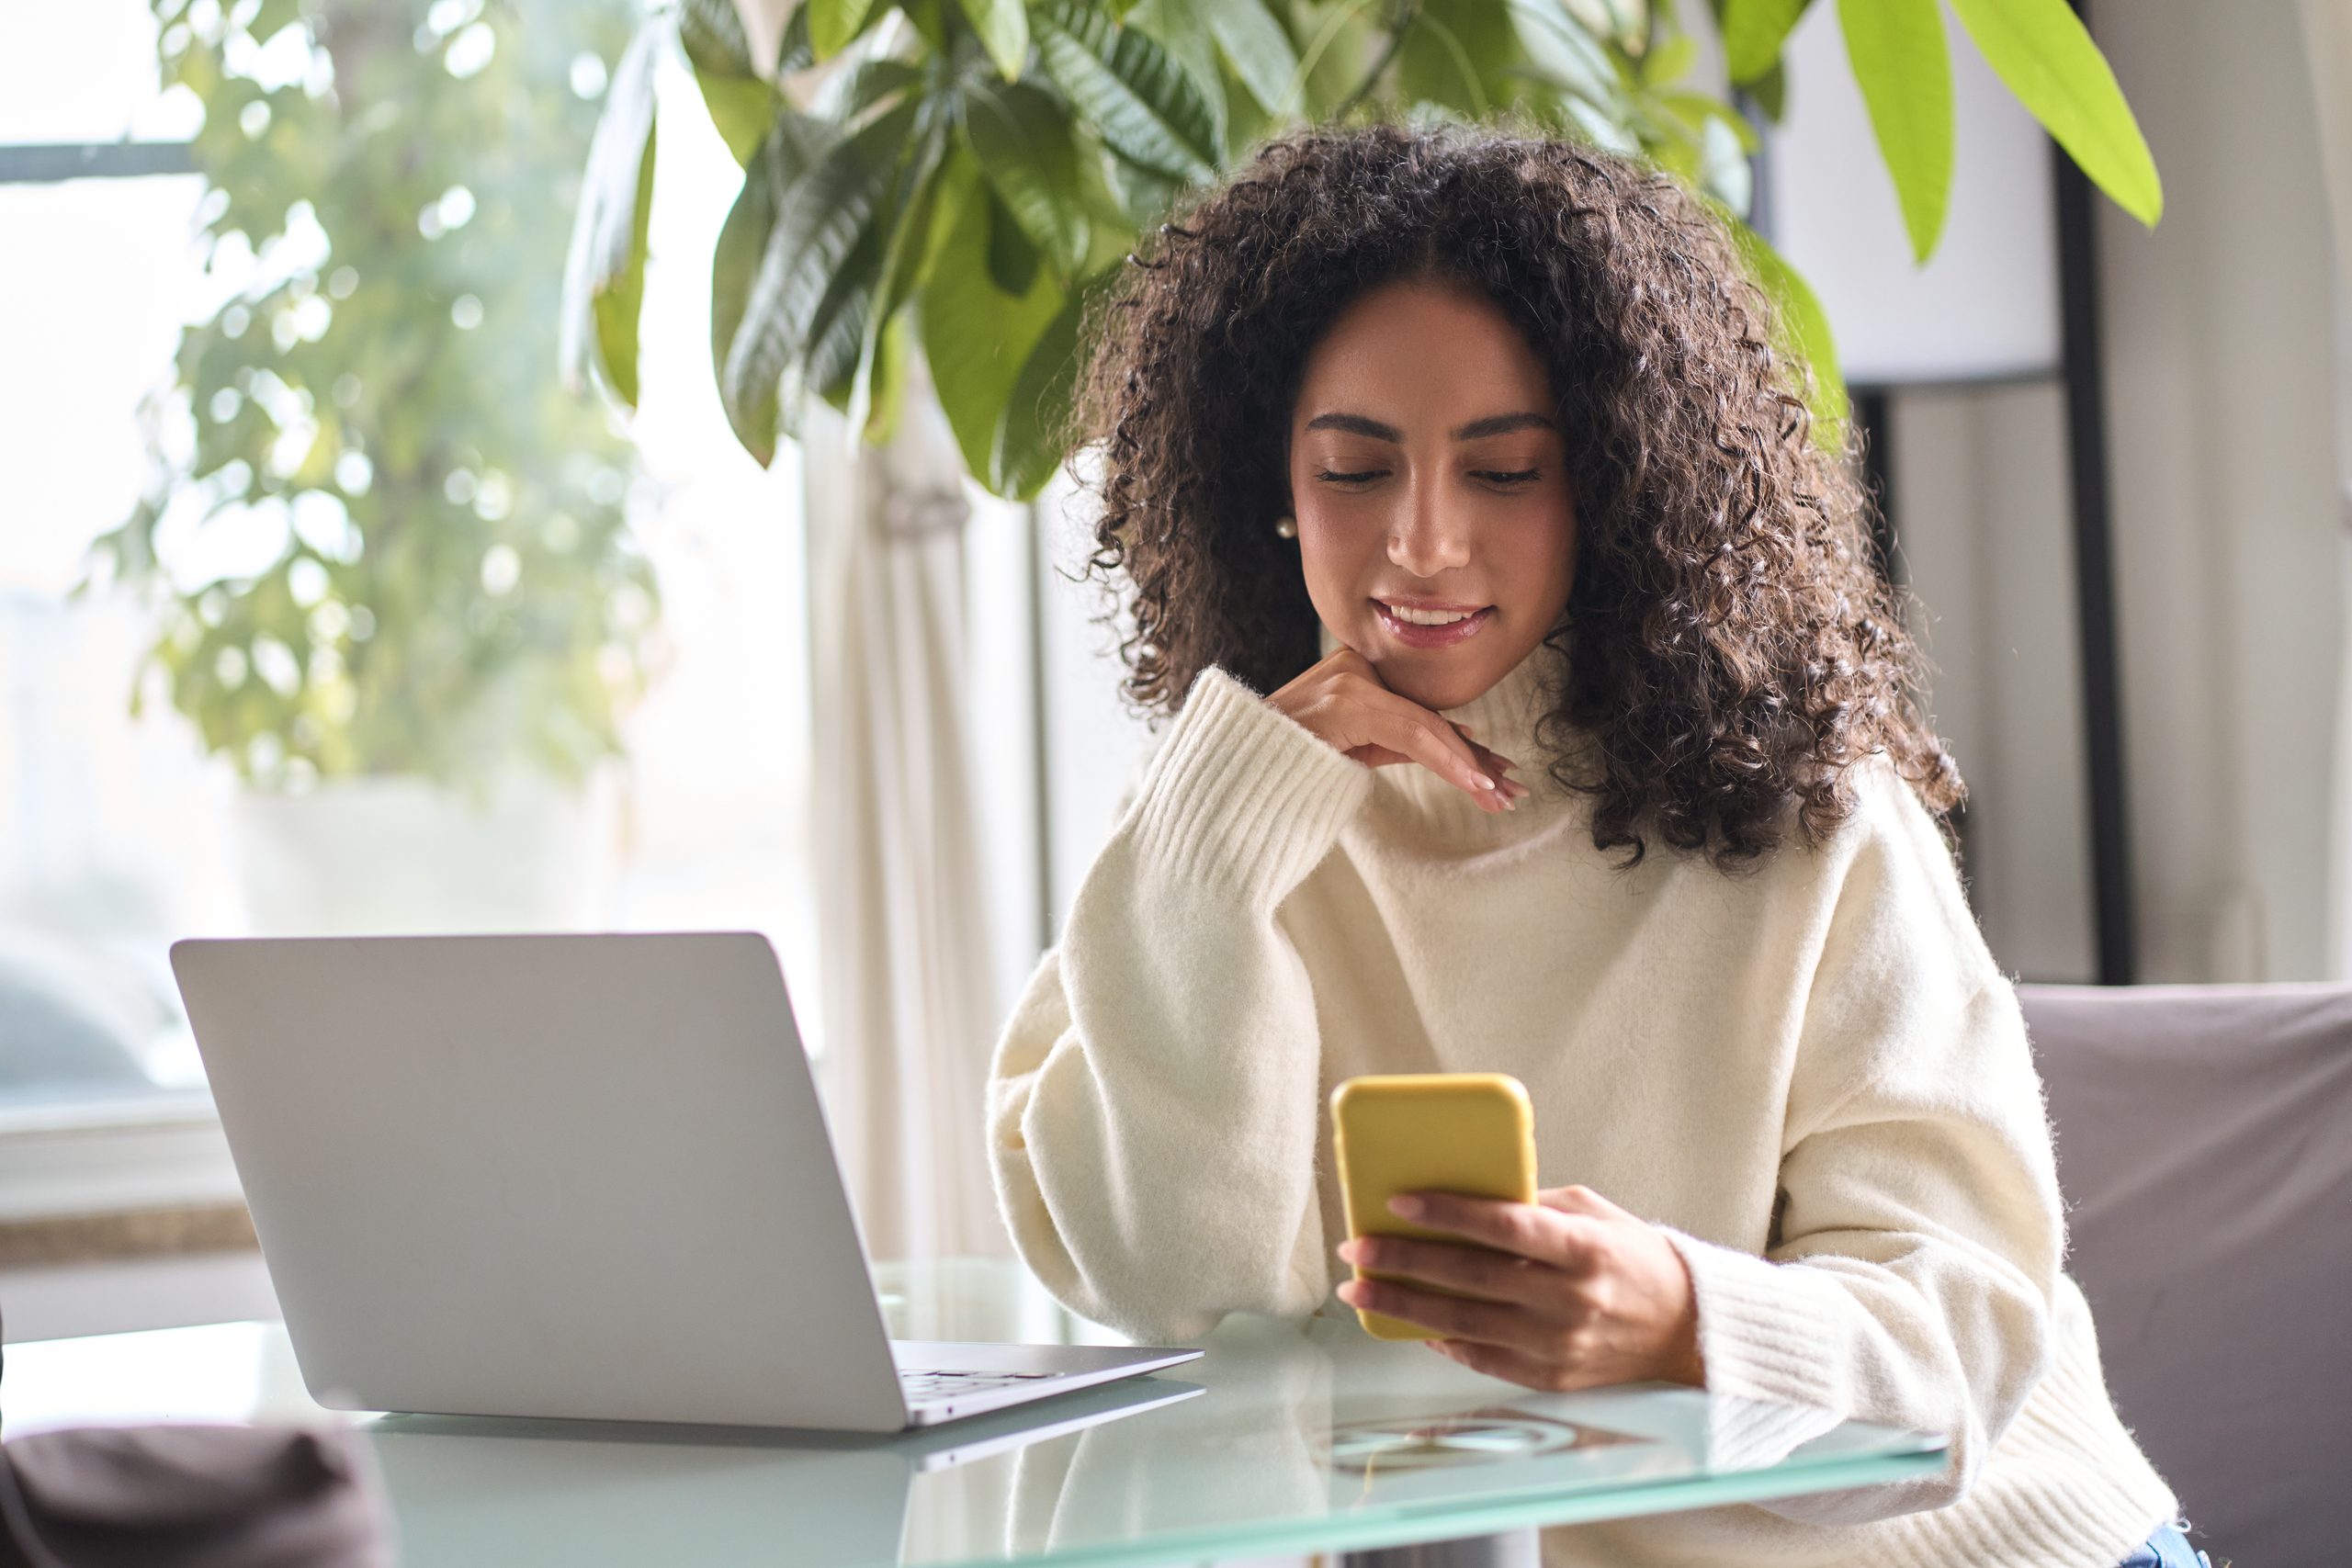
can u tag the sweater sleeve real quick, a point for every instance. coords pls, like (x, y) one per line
(1152, 1102)
(1920, 1238)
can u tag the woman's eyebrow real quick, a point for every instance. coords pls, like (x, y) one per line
(1500, 424)
(1493, 424)
(1356, 424)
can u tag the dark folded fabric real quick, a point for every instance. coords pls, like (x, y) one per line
(190, 1496)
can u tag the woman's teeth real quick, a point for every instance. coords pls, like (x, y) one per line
(1427, 618)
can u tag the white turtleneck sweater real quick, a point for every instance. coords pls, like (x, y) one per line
(1269, 918)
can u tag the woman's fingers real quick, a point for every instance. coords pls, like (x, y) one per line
(1342, 699)
(1491, 763)
(1579, 1200)
(1457, 1317)
(1528, 1230)
(1477, 1271)
(1402, 724)
(1495, 765)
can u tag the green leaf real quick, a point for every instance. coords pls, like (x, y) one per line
(1900, 62)
(1003, 26)
(1600, 127)
(1178, 26)
(1032, 433)
(1755, 31)
(1698, 110)
(836, 333)
(977, 337)
(735, 261)
(742, 107)
(792, 145)
(1143, 105)
(1723, 168)
(604, 273)
(2041, 50)
(832, 24)
(1670, 61)
(712, 32)
(804, 307)
(1253, 42)
(620, 304)
(1013, 260)
(871, 80)
(1625, 22)
(1450, 62)
(793, 51)
(1800, 330)
(1566, 54)
(1021, 136)
(886, 396)
(907, 214)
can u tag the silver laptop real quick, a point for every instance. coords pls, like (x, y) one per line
(566, 1176)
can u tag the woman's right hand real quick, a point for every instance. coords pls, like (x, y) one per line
(1340, 699)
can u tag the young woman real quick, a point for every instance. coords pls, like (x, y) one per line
(1588, 751)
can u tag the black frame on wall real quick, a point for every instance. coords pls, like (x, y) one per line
(2114, 919)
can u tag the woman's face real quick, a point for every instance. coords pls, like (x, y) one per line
(1427, 476)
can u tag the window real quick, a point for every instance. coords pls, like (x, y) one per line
(271, 806)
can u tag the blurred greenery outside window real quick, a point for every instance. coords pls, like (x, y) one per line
(292, 501)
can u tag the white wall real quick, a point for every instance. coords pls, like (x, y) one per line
(2221, 340)
(1980, 501)
(1094, 742)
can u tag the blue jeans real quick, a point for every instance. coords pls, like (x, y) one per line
(2166, 1549)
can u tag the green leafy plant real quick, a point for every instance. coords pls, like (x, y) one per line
(954, 178)
(437, 577)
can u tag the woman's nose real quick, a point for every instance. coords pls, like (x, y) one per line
(1430, 535)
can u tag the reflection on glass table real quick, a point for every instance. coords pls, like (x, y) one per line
(1286, 1437)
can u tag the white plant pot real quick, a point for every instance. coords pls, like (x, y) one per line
(392, 855)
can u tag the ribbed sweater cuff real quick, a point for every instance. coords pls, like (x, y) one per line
(1764, 1330)
(1242, 795)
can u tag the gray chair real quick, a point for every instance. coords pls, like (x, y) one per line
(2205, 1151)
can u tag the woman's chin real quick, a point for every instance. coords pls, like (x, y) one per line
(1436, 689)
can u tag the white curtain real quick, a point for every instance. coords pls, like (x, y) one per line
(905, 996)
(2327, 30)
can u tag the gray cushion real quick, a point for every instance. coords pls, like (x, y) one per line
(2205, 1150)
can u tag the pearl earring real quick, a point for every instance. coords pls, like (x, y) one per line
(1286, 527)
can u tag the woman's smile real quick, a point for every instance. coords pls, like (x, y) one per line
(1424, 623)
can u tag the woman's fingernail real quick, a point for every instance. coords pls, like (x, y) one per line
(1482, 781)
(1406, 1206)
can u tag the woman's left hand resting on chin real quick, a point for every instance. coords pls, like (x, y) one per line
(1569, 1291)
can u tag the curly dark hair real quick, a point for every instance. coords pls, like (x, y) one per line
(1732, 648)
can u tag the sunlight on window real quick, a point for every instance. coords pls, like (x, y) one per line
(124, 823)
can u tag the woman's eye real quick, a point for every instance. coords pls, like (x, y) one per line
(1520, 477)
(1333, 477)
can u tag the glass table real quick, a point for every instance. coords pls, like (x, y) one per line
(1285, 1439)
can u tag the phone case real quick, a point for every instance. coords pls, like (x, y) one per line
(1471, 1133)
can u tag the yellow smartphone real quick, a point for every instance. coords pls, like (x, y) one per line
(1471, 1133)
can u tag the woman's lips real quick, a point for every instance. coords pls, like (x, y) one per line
(1413, 634)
